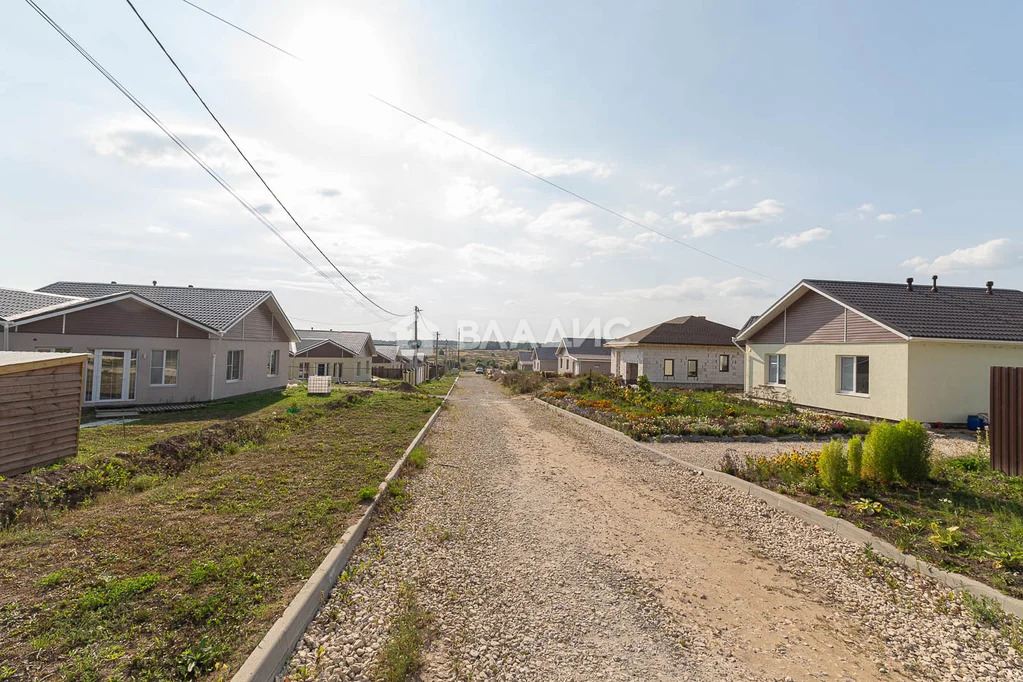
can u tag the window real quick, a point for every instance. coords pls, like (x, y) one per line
(669, 367)
(722, 363)
(776, 369)
(854, 374)
(234, 365)
(303, 370)
(691, 368)
(163, 368)
(272, 358)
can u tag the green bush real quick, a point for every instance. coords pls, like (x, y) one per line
(833, 468)
(897, 452)
(644, 384)
(855, 456)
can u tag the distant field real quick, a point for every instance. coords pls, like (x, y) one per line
(489, 358)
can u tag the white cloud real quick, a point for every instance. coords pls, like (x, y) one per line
(994, 254)
(709, 222)
(865, 208)
(570, 222)
(659, 189)
(435, 143)
(482, 254)
(916, 211)
(887, 217)
(730, 183)
(156, 229)
(792, 241)
(687, 290)
(467, 197)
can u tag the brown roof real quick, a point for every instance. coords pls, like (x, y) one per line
(688, 330)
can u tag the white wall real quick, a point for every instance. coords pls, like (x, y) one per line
(650, 359)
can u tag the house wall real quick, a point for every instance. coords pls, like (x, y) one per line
(812, 376)
(950, 381)
(650, 359)
(119, 318)
(195, 363)
(353, 368)
(545, 365)
(813, 318)
(581, 367)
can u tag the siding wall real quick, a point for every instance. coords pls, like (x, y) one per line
(39, 416)
(120, 318)
(353, 368)
(813, 318)
(327, 350)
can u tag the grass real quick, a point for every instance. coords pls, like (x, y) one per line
(439, 386)
(187, 575)
(401, 656)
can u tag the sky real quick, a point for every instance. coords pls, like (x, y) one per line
(864, 141)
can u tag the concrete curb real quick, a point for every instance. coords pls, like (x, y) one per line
(280, 640)
(816, 517)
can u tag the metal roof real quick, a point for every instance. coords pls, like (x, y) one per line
(217, 309)
(357, 343)
(688, 330)
(588, 348)
(16, 302)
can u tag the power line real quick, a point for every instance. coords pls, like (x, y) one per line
(250, 164)
(497, 157)
(188, 150)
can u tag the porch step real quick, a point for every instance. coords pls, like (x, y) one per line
(108, 414)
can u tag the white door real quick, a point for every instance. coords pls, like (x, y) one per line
(321, 369)
(112, 376)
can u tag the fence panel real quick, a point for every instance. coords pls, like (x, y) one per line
(1005, 434)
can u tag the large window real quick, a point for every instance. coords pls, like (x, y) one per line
(272, 359)
(303, 370)
(854, 374)
(692, 369)
(669, 367)
(776, 369)
(163, 368)
(234, 365)
(723, 363)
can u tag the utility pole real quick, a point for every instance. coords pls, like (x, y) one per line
(415, 347)
(458, 350)
(436, 345)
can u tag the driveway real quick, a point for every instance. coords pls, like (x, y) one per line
(540, 549)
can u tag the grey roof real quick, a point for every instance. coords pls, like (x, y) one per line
(750, 320)
(546, 352)
(389, 351)
(353, 342)
(590, 348)
(16, 301)
(967, 313)
(683, 331)
(525, 356)
(214, 308)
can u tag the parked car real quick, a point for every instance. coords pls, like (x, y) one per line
(479, 369)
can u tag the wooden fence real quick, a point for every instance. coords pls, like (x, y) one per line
(1005, 434)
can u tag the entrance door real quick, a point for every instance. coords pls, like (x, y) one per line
(631, 372)
(321, 369)
(113, 378)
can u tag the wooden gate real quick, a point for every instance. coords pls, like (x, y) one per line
(1005, 435)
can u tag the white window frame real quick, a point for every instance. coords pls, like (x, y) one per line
(668, 361)
(781, 375)
(163, 366)
(127, 386)
(855, 375)
(727, 362)
(273, 363)
(239, 365)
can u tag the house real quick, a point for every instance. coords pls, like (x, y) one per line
(885, 350)
(583, 356)
(40, 408)
(387, 356)
(155, 344)
(545, 358)
(525, 360)
(342, 355)
(687, 352)
(415, 360)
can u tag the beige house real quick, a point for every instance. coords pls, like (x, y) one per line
(344, 356)
(525, 361)
(583, 356)
(685, 352)
(154, 344)
(893, 351)
(545, 358)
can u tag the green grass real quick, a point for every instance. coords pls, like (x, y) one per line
(438, 387)
(417, 457)
(169, 582)
(401, 656)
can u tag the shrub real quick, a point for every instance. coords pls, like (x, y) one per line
(644, 384)
(914, 460)
(833, 467)
(855, 456)
(880, 451)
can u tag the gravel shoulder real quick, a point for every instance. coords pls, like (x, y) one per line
(539, 550)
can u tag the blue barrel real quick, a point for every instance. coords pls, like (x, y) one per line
(973, 422)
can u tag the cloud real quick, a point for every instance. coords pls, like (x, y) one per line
(569, 222)
(887, 217)
(659, 189)
(467, 197)
(730, 183)
(156, 229)
(916, 211)
(686, 290)
(140, 143)
(865, 208)
(707, 223)
(482, 254)
(435, 143)
(992, 255)
(793, 241)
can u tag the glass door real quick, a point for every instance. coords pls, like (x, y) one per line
(113, 378)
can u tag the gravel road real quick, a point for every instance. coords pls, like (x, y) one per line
(540, 549)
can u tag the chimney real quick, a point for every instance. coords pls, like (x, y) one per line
(990, 285)
(909, 284)
(113, 282)
(934, 283)
(189, 286)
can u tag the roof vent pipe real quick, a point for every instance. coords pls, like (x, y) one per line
(154, 282)
(189, 286)
(990, 285)
(934, 283)
(909, 284)
(113, 282)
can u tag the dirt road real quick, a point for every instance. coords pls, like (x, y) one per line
(540, 549)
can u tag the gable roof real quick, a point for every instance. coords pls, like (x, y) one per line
(356, 343)
(586, 348)
(957, 313)
(216, 309)
(525, 356)
(545, 352)
(387, 351)
(688, 330)
(15, 302)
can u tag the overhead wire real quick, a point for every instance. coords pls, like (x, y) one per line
(511, 164)
(188, 150)
(244, 156)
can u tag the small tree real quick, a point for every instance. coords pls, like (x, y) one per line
(855, 455)
(644, 384)
(880, 452)
(833, 468)
(914, 461)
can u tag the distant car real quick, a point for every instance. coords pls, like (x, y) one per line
(479, 369)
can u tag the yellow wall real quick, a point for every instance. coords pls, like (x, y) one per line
(949, 381)
(812, 377)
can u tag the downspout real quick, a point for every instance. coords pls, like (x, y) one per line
(745, 365)
(7, 326)
(213, 367)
